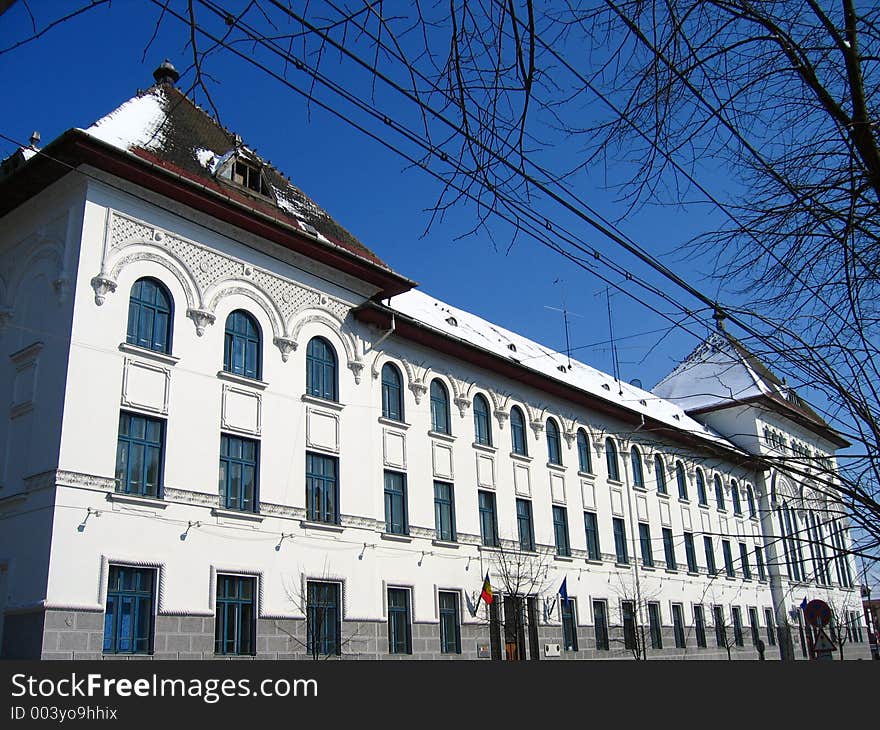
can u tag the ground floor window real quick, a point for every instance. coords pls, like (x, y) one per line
(128, 620)
(235, 622)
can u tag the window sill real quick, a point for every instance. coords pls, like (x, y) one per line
(703, 505)
(149, 354)
(233, 514)
(730, 577)
(564, 558)
(137, 499)
(722, 510)
(663, 495)
(445, 544)
(488, 448)
(314, 400)
(694, 572)
(242, 380)
(441, 436)
(649, 567)
(560, 468)
(391, 422)
(682, 500)
(524, 458)
(326, 526)
(395, 537)
(637, 488)
(674, 571)
(586, 475)
(592, 561)
(615, 482)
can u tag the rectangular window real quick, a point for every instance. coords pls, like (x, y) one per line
(620, 541)
(744, 560)
(856, 624)
(569, 626)
(710, 555)
(669, 549)
(395, 503)
(560, 530)
(759, 561)
(450, 626)
(128, 620)
(488, 519)
(690, 552)
(444, 511)
(592, 528)
(736, 612)
(720, 628)
(645, 543)
(322, 488)
(678, 625)
(524, 525)
(753, 624)
(728, 559)
(600, 622)
(654, 626)
(399, 625)
(139, 455)
(771, 631)
(700, 626)
(239, 473)
(629, 624)
(235, 615)
(323, 619)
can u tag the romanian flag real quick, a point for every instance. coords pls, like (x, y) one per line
(486, 595)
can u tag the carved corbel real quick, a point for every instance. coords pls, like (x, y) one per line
(103, 286)
(286, 345)
(201, 318)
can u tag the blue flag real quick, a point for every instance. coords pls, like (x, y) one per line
(804, 603)
(563, 589)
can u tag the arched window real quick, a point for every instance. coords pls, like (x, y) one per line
(392, 393)
(518, 432)
(439, 407)
(482, 424)
(149, 316)
(321, 373)
(734, 496)
(660, 471)
(242, 346)
(635, 458)
(554, 447)
(585, 460)
(719, 492)
(681, 480)
(750, 499)
(611, 460)
(701, 488)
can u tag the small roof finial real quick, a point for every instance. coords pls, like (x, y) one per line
(719, 316)
(166, 73)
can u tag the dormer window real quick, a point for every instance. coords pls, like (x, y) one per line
(246, 174)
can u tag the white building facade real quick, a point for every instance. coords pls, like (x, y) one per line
(234, 431)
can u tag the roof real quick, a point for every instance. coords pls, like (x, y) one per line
(549, 366)
(722, 372)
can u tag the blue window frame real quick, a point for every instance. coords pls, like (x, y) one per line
(720, 626)
(759, 561)
(744, 560)
(700, 626)
(128, 620)
(681, 480)
(518, 432)
(149, 316)
(600, 625)
(753, 624)
(482, 424)
(585, 459)
(450, 625)
(591, 526)
(239, 473)
(392, 393)
(140, 448)
(235, 621)
(569, 625)
(323, 619)
(399, 626)
(711, 567)
(660, 471)
(635, 458)
(736, 612)
(701, 488)
(321, 370)
(750, 500)
(719, 492)
(439, 407)
(627, 609)
(488, 519)
(645, 544)
(242, 345)
(560, 530)
(728, 559)
(611, 460)
(669, 549)
(770, 621)
(690, 552)
(322, 488)
(622, 555)
(678, 625)
(654, 626)
(395, 503)
(525, 527)
(554, 447)
(444, 511)
(734, 496)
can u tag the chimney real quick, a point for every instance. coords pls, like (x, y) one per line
(166, 73)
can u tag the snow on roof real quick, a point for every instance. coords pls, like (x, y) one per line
(476, 331)
(135, 124)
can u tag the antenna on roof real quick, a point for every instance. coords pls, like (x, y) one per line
(565, 314)
(613, 344)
